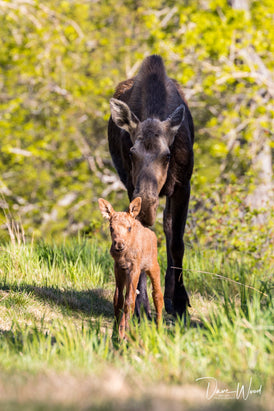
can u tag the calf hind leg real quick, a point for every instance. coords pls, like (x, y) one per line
(157, 294)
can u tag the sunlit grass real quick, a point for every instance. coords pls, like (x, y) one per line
(56, 316)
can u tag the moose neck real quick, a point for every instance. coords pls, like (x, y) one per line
(150, 84)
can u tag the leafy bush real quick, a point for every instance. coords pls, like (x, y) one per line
(60, 62)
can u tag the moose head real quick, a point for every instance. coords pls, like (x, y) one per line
(150, 153)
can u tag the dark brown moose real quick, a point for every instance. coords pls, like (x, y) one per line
(151, 136)
(134, 249)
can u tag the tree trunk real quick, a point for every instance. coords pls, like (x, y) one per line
(262, 196)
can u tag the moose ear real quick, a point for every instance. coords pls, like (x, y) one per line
(173, 123)
(105, 208)
(123, 116)
(135, 207)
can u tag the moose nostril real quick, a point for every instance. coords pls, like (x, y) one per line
(119, 245)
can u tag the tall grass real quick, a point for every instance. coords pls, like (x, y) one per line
(56, 314)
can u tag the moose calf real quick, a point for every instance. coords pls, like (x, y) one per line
(134, 249)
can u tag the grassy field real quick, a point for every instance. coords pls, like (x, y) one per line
(56, 348)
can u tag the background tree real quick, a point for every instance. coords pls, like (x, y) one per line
(59, 64)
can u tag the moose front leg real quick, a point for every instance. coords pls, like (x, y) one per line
(176, 298)
(169, 278)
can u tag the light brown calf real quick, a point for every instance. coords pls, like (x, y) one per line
(134, 249)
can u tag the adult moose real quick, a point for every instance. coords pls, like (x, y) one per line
(151, 136)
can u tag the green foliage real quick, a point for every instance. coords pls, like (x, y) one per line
(59, 64)
(221, 218)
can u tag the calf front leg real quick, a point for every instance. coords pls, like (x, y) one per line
(130, 298)
(118, 300)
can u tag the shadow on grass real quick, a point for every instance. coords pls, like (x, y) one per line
(91, 302)
(94, 303)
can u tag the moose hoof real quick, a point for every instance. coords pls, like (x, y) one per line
(142, 305)
(181, 302)
(169, 306)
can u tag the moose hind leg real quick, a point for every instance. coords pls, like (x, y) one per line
(142, 297)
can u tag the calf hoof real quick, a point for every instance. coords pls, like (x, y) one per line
(169, 306)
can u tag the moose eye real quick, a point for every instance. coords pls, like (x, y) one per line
(166, 158)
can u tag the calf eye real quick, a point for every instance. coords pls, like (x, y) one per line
(129, 229)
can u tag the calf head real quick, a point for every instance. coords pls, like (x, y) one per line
(121, 224)
(149, 154)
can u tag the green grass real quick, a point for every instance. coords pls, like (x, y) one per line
(56, 347)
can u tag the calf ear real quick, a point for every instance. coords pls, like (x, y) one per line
(105, 208)
(135, 207)
(173, 123)
(123, 116)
